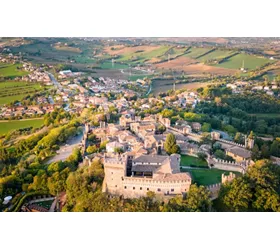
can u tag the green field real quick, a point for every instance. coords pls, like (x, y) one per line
(11, 70)
(140, 57)
(6, 126)
(206, 176)
(187, 160)
(11, 91)
(216, 54)
(108, 65)
(196, 52)
(173, 52)
(67, 48)
(250, 62)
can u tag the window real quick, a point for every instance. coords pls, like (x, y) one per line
(140, 188)
(133, 188)
(172, 189)
(124, 187)
(158, 189)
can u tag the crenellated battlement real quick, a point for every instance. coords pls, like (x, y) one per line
(231, 143)
(214, 186)
(228, 178)
(115, 160)
(226, 162)
(149, 181)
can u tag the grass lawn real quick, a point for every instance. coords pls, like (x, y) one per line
(206, 176)
(10, 70)
(187, 160)
(250, 62)
(6, 126)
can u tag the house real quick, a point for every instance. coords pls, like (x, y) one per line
(238, 154)
(196, 126)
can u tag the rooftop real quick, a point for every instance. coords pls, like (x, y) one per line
(240, 152)
(151, 158)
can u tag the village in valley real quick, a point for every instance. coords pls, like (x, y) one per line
(139, 124)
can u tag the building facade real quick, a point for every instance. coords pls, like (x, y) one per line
(133, 176)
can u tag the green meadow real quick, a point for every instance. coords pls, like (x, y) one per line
(250, 62)
(11, 70)
(7, 126)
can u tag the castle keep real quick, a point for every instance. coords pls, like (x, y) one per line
(133, 176)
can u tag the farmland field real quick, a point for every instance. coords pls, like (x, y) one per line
(137, 54)
(67, 48)
(6, 126)
(193, 67)
(216, 54)
(11, 91)
(206, 176)
(167, 84)
(250, 62)
(196, 52)
(11, 70)
(108, 65)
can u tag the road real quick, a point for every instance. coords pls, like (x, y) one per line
(54, 81)
(65, 151)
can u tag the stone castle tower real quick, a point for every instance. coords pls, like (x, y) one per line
(249, 141)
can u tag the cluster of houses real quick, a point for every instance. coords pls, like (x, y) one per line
(68, 73)
(106, 85)
(19, 110)
(183, 99)
(145, 166)
(239, 87)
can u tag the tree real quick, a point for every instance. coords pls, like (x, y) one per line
(256, 152)
(92, 149)
(206, 127)
(170, 145)
(161, 128)
(118, 150)
(238, 138)
(92, 137)
(257, 190)
(167, 113)
(198, 199)
(236, 196)
(275, 148)
(265, 151)
(219, 154)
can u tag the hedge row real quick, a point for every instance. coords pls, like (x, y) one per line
(22, 200)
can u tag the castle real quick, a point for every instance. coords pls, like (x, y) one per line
(133, 176)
